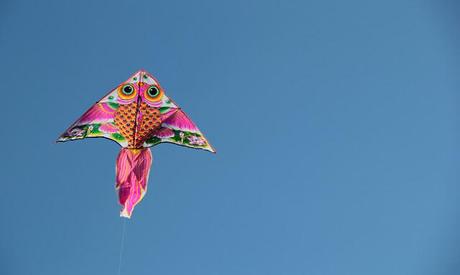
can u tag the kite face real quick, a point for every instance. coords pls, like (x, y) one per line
(137, 114)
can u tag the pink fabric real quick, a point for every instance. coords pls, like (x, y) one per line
(108, 128)
(132, 173)
(180, 121)
(169, 113)
(99, 112)
(164, 133)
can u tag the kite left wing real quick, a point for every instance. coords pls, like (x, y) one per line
(98, 121)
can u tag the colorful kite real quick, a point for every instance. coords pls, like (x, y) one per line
(137, 115)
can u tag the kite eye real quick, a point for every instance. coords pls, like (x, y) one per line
(153, 93)
(127, 91)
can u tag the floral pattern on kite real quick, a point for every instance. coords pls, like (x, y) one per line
(137, 114)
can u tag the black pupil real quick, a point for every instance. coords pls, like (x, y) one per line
(128, 90)
(153, 91)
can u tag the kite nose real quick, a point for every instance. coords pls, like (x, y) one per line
(141, 84)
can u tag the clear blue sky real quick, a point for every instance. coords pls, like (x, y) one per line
(336, 125)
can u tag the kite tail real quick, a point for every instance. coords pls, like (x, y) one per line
(133, 167)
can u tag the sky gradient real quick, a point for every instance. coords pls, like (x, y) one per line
(335, 124)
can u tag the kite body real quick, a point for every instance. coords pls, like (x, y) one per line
(137, 115)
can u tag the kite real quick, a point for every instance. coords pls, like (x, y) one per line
(137, 115)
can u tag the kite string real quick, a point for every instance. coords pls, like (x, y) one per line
(122, 243)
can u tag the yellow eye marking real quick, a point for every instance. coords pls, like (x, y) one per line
(153, 93)
(127, 91)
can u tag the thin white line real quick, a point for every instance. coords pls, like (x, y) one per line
(122, 242)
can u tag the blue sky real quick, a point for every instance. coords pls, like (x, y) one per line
(336, 126)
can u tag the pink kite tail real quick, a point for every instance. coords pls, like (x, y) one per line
(132, 174)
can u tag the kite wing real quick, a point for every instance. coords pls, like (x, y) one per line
(98, 121)
(179, 129)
